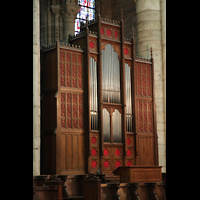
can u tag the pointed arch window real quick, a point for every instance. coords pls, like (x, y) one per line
(87, 9)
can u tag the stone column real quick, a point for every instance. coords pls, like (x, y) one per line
(69, 12)
(36, 88)
(149, 34)
(163, 23)
(56, 11)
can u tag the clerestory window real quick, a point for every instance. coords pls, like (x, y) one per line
(87, 10)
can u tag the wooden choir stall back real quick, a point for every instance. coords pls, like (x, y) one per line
(98, 104)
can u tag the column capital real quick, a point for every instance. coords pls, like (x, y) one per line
(56, 9)
(70, 10)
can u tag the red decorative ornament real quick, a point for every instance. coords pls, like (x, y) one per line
(126, 51)
(129, 163)
(80, 111)
(80, 83)
(69, 97)
(62, 110)
(106, 152)
(108, 32)
(102, 31)
(74, 98)
(94, 140)
(63, 97)
(128, 141)
(80, 98)
(94, 164)
(61, 56)
(91, 44)
(129, 152)
(79, 71)
(115, 34)
(106, 164)
(62, 123)
(62, 81)
(74, 83)
(79, 59)
(117, 152)
(94, 152)
(75, 123)
(62, 69)
(117, 164)
(69, 123)
(68, 70)
(67, 57)
(80, 123)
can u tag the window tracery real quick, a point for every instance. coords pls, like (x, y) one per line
(87, 10)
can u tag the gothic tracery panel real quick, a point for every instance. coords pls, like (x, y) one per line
(71, 69)
(144, 80)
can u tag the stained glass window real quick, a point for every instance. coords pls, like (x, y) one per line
(87, 9)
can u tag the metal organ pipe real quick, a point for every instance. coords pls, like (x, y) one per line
(106, 125)
(129, 115)
(110, 75)
(93, 94)
(117, 128)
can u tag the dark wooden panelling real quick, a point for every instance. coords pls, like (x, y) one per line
(72, 152)
(146, 150)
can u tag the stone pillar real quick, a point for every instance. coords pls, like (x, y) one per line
(69, 12)
(163, 23)
(56, 11)
(36, 88)
(149, 34)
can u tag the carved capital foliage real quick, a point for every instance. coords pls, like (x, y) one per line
(69, 10)
(55, 9)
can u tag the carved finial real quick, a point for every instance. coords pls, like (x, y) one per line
(121, 14)
(98, 7)
(151, 52)
(132, 31)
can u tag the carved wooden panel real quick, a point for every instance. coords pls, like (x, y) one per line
(70, 69)
(71, 110)
(112, 158)
(143, 80)
(130, 152)
(110, 32)
(115, 45)
(93, 160)
(144, 116)
(127, 51)
(92, 44)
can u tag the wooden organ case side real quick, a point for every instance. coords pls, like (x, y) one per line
(63, 134)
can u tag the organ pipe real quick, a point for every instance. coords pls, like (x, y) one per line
(110, 75)
(93, 94)
(129, 116)
(106, 125)
(117, 128)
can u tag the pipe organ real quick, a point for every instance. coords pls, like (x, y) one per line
(98, 105)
